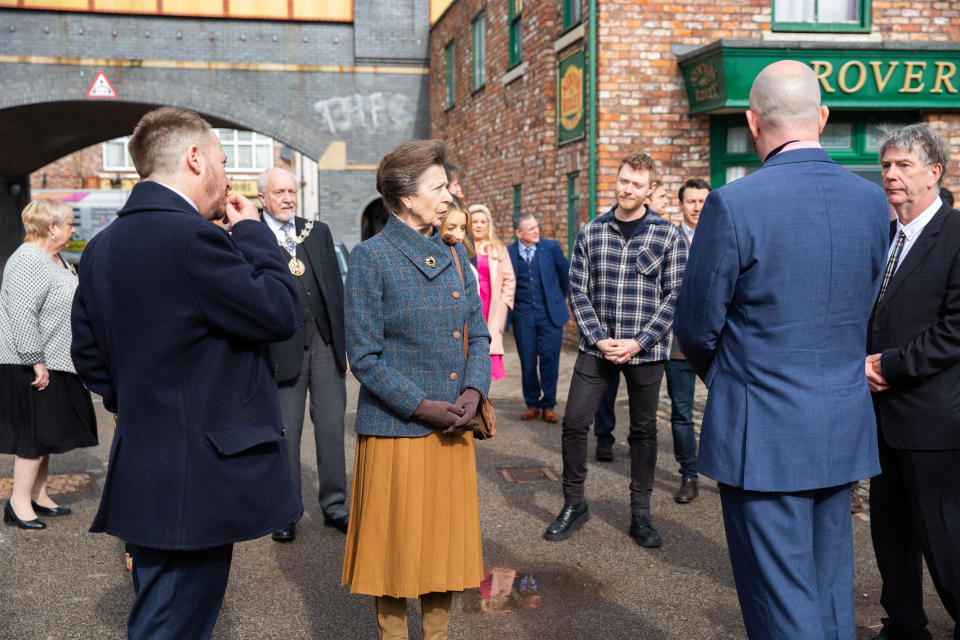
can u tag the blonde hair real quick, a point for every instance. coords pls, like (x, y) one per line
(491, 245)
(457, 205)
(40, 214)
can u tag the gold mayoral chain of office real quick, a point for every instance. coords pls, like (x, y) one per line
(296, 264)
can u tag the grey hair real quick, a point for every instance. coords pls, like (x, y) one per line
(919, 137)
(786, 95)
(518, 220)
(262, 178)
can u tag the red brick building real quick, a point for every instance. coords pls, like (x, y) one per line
(671, 80)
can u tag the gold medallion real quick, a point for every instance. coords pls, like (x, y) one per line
(296, 266)
(430, 262)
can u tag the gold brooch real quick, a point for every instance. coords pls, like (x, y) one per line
(430, 262)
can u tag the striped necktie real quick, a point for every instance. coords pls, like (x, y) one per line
(892, 264)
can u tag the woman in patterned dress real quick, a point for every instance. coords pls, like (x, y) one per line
(46, 409)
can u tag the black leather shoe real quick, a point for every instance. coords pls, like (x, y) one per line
(570, 519)
(890, 634)
(604, 451)
(286, 534)
(50, 511)
(340, 524)
(641, 530)
(10, 517)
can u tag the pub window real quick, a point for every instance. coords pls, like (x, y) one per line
(479, 52)
(852, 139)
(513, 23)
(821, 15)
(115, 155)
(573, 210)
(571, 14)
(449, 69)
(246, 150)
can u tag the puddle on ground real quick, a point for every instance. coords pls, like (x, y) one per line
(511, 590)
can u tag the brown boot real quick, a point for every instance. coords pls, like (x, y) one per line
(549, 415)
(530, 413)
(435, 609)
(688, 491)
(392, 618)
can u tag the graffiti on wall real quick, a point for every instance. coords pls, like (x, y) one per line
(371, 112)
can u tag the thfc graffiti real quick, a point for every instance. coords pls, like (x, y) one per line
(371, 111)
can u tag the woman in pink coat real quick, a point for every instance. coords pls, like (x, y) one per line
(497, 283)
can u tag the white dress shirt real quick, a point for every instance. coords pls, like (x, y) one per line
(912, 230)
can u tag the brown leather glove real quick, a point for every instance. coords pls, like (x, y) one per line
(436, 413)
(467, 403)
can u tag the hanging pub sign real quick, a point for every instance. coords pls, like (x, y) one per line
(571, 102)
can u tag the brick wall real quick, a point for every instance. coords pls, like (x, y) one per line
(507, 135)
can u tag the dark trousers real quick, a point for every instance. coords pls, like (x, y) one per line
(328, 400)
(591, 376)
(914, 511)
(606, 418)
(177, 593)
(792, 558)
(538, 339)
(681, 382)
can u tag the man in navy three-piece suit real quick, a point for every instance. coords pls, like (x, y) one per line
(539, 313)
(772, 315)
(171, 325)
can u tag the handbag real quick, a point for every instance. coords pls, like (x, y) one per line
(486, 417)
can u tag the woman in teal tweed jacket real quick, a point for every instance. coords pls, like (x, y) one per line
(414, 528)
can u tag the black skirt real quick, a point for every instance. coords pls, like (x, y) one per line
(34, 423)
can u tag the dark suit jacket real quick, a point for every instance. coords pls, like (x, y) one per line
(554, 277)
(917, 329)
(772, 314)
(171, 323)
(288, 354)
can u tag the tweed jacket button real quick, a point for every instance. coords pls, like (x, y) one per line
(456, 294)
(453, 376)
(456, 335)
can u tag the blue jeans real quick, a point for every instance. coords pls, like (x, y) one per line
(681, 381)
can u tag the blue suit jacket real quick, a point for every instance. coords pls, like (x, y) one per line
(405, 311)
(772, 314)
(554, 276)
(171, 322)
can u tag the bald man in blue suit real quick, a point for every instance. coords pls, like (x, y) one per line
(772, 315)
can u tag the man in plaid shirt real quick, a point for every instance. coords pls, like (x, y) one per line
(624, 276)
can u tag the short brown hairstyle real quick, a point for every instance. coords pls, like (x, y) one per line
(40, 214)
(160, 138)
(399, 171)
(641, 162)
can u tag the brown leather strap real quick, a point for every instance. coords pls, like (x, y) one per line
(463, 283)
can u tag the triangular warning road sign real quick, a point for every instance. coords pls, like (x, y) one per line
(101, 87)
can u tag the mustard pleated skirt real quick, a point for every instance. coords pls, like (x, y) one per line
(414, 517)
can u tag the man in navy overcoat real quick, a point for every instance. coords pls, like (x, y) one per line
(772, 314)
(171, 325)
(539, 313)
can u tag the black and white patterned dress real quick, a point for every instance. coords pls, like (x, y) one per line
(36, 296)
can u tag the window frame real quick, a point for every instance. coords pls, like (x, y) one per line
(863, 26)
(450, 87)
(234, 142)
(515, 33)
(479, 27)
(573, 210)
(567, 19)
(856, 155)
(126, 155)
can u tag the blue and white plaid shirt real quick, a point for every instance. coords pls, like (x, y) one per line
(627, 288)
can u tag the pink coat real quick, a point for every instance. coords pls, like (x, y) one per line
(502, 285)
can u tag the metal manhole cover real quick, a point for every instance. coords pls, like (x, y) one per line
(56, 485)
(531, 474)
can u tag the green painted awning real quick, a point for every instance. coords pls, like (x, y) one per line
(913, 76)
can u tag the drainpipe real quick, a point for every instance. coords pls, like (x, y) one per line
(592, 93)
